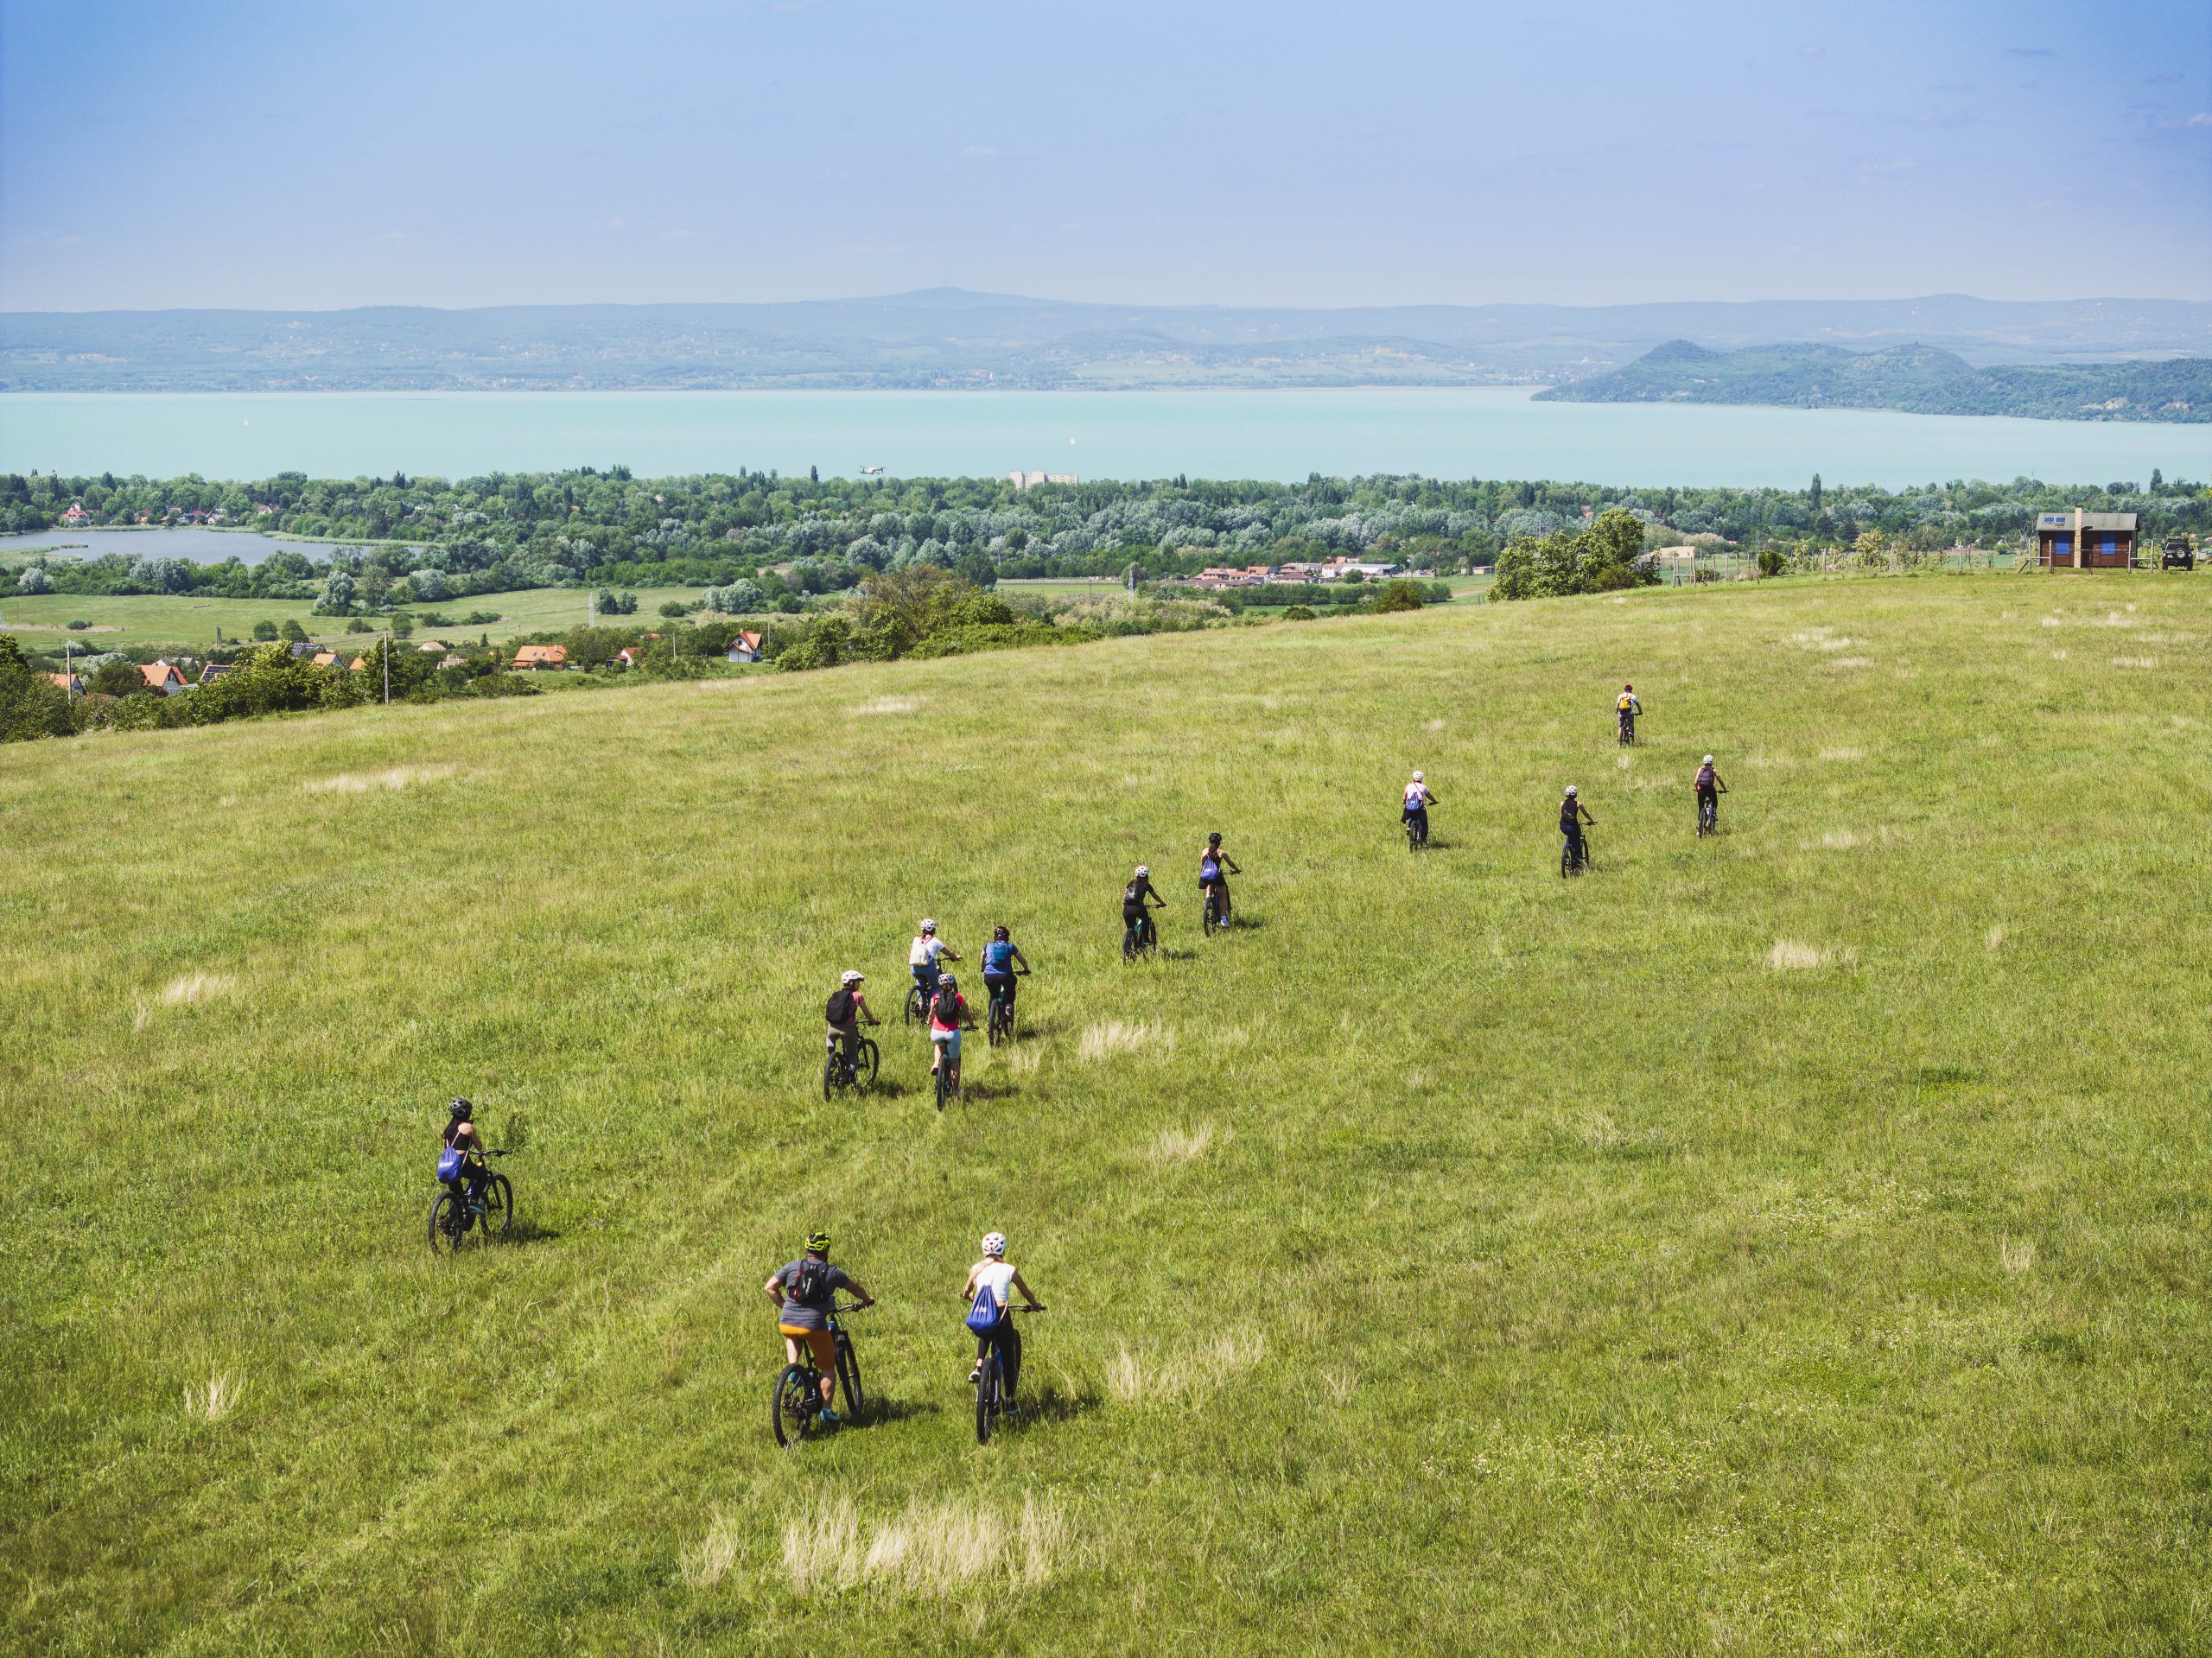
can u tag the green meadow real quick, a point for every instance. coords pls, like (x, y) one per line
(188, 621)
(1790, 1243)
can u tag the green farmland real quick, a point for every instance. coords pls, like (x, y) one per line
(1791, 1243)
(189, 622)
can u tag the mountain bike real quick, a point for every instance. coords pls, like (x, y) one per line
(990, 1393)
(1708, 815)
(795, 1407)
(1216, 918)
(1139, 938)
(1627, 728)
(1574, 856)
(488, 1213)
(1417, 832)
(999, 1025)
(859, 1072)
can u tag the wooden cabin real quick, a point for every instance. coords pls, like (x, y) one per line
(2085, 541)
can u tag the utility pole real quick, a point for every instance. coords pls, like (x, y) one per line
(387, 667)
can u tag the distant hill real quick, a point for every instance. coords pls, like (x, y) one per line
(949, 337)
(1919, 379)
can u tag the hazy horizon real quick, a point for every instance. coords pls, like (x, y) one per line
(248, 155)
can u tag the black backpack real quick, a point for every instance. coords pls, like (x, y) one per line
(840, 1009)
(946, 1009)
(811, 1283)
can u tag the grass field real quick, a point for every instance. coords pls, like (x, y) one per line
(1794, 1242)
(41, 621)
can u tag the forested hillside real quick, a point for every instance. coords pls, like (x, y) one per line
(1914, 379)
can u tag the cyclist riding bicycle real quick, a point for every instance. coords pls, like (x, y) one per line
(1135, 896)
(462, 1166)
(923, 956)
(993, 1277)
(1572, 815)
(804, 1292)
(1627, 709)
(1710, 788)
(1211, 863)
(1419, 798)
(1001, 959)
(847, 1009)
(949, 1016)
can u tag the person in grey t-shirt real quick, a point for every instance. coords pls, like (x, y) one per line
(804, 1292)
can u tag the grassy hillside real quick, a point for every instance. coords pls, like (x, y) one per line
(1794, 1243)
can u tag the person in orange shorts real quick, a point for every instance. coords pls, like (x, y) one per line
(804, 1292)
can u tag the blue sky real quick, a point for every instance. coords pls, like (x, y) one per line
(315, 155)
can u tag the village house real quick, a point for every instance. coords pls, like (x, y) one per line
(530, 657)
(76, 514)
(162, 678)
(326, 658)
(212, 671)
(745, 647)
(72, 684)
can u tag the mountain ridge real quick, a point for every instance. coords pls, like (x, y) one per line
(932, 338)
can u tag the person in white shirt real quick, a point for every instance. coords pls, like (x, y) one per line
(922, 958)
(993, 1275)
(1414, 809)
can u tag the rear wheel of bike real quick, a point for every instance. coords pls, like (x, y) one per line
(833, 1077)
(445, 1216)
(916, 1007)
(944, 1077)
(499, 1218)
(986, 1398)
(848, 1378)
(792, 1404)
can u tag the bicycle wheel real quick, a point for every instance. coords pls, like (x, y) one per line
(1128, 944)
(986, 1398)
(833, 1077)
(944, 1079)
(499, 1218)
(848, 1378)
(866, 1058)
(916, 1008)
(792, 1404)
(443, 1212)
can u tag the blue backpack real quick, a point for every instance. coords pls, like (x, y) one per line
(988, 1314)
(449, 1161)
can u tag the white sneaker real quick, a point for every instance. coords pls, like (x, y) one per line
(977, 1371)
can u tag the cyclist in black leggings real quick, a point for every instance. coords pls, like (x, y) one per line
(1572, 815)
(1134, 898)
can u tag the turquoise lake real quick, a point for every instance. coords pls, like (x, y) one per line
(1455, 433)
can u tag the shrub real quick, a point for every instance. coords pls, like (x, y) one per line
(1772, 561)
(1297, 614)
(1400, 594)
(77, 627)
(31, 705)
(264, 630)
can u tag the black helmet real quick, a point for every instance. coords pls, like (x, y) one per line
(460, 1108)
(1214, 839)
(998, 934)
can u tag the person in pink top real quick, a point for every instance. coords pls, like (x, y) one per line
(949, 1016)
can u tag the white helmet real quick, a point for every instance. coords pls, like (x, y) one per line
(1708, 759)
(850, 977)
(994, 1245)
(1571, 790)
(1419, 779)
(929, 926)
(1144, 869)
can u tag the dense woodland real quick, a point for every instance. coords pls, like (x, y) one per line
(770, 541)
